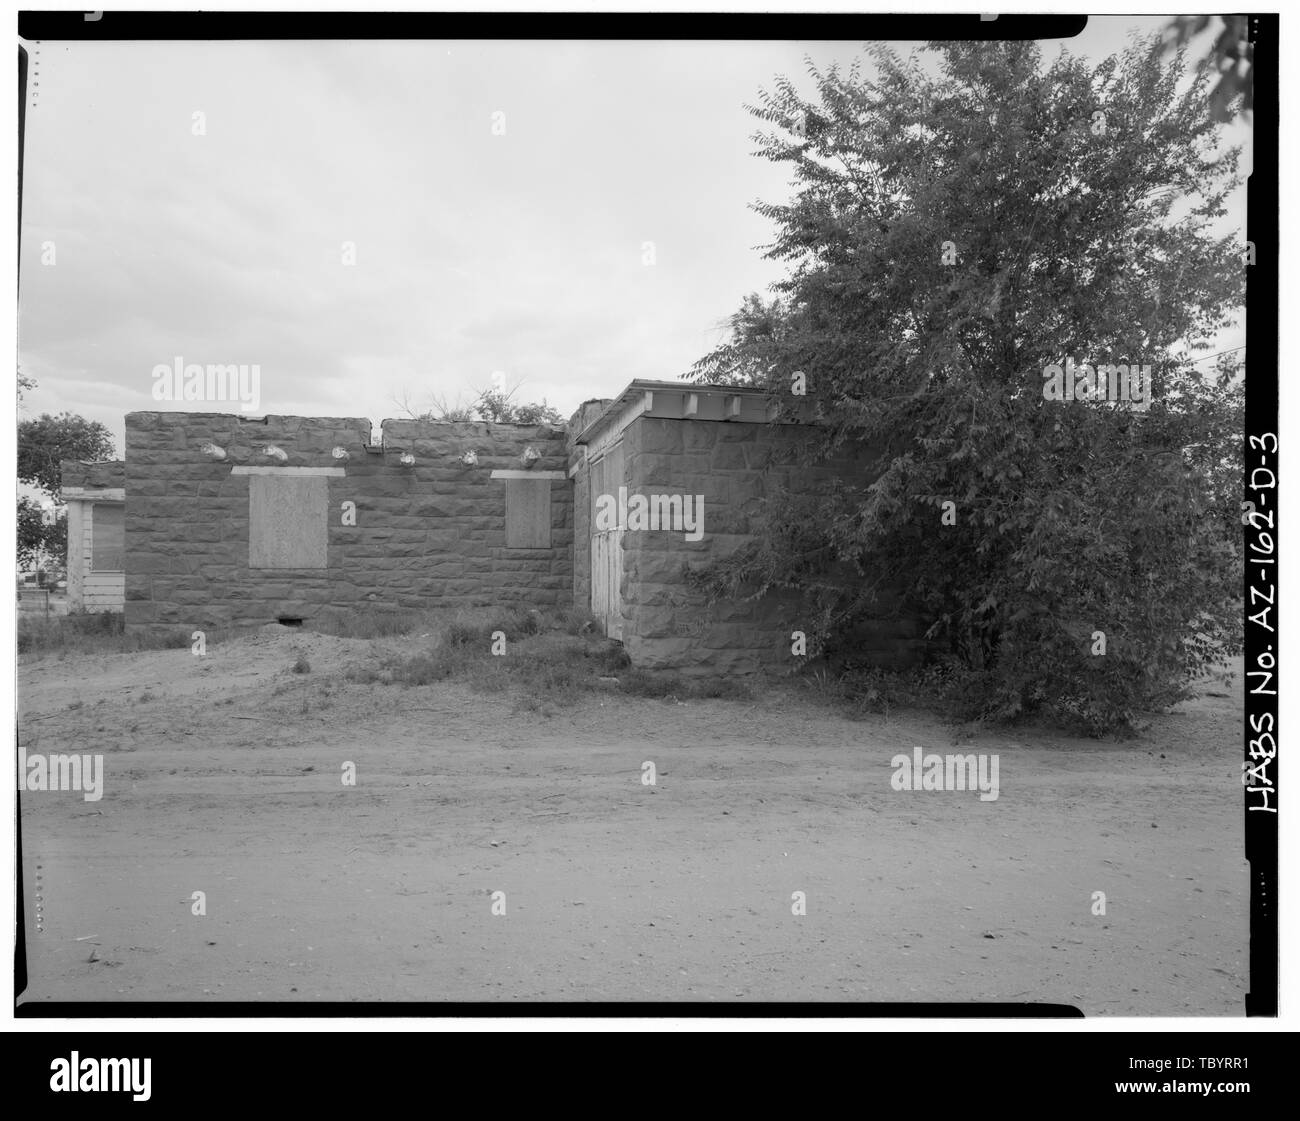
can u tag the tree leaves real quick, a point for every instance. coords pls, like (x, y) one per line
(46, 440)
(939, 266)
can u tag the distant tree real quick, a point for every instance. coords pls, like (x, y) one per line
(46, 440)
(950, 238)
(42, 534)
(499, 406)
(42, 443)
(495, 405)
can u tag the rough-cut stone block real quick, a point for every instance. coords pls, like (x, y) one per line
(419, 530)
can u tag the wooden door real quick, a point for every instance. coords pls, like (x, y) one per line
(607, 543)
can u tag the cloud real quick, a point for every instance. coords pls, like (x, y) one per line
(474, 251)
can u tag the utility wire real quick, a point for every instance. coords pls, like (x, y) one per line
(1219, 355)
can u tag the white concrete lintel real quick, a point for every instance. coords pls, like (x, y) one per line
(87, 494)
(510, 474)
(333, 472)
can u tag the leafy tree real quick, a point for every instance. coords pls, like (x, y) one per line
(40, 537)
(498, 405)
(949, 239)
(42, 443)
(751, 350)
(46, 440)
(1232, 54)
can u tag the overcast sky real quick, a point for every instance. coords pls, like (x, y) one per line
(475, 253)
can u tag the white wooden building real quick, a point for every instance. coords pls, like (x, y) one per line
(95, 495)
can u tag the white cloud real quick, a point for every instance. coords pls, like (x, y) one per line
(474, 252)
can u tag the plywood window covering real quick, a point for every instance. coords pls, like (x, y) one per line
(287, 521)
(528, 513)
(108, 538)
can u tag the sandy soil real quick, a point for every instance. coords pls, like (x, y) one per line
(223, 775)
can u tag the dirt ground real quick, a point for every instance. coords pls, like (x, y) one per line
(223, 774)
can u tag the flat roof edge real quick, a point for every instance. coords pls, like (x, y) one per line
(647, 385)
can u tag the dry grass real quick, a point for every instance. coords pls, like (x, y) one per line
(543, 661)
(87, 633)
(540, 660)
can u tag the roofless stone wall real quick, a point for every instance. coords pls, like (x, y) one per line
(105, 474)
(732, 467)
(429, 535)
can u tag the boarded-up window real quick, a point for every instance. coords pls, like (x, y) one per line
(286, 521)
(107, 538)
(528, 513)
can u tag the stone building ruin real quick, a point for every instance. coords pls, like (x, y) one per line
(234, 521)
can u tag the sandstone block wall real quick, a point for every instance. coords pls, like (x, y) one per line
(733, 466)
(432, 535)
(105, 474)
